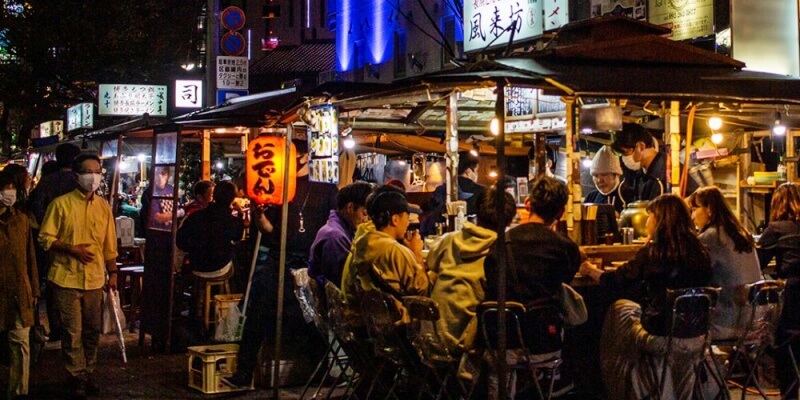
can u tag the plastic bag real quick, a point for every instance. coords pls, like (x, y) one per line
(111, 306)
(303, 292)
(229, 325)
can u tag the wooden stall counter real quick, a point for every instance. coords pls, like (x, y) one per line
(609, 255)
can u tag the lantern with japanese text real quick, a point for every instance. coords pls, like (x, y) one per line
(266, 165)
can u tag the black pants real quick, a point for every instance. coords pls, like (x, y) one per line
(788, 326)
(261, 319)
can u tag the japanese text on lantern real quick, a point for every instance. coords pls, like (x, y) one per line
(266, 166)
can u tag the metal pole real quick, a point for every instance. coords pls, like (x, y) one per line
(500, 243)
(281, 270)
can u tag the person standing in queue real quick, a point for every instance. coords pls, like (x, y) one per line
(308, 213)
(79, 231)
(781, 241)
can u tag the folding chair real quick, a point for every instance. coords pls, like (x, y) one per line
(517, 331)
(690, 318)
(758, 334)
(431, 349)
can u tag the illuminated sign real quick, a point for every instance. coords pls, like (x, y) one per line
(323, 145)
(80, 116)
(188, 93)
(266, 165)
(132, 100)
(687, 18)
(490, 23)
(232, 72)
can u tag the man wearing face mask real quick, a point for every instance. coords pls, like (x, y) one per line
(79, 232)
(606, 172)
(640, 155)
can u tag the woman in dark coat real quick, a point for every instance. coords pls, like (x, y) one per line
(781, 240)
(633, 338)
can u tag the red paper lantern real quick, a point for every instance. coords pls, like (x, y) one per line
(266, 165)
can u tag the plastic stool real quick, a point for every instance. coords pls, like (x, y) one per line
(206, 285)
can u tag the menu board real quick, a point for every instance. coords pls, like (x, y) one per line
(323, 145)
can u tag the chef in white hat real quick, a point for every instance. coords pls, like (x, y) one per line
(606, 174)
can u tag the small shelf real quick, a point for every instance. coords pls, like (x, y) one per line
(768, 188)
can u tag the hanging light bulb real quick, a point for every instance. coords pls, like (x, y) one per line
(141, 157)
(476, 150)
(494, 126)
(715, 122)
(220, 165)
(493, 173)
(716, 138)
(349, 143)
(778, 129)
(587, 162)
(402, 162)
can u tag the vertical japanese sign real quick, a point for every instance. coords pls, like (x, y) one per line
(232, 73)
(489, 23)
(266, 165)
(188, 93)
(80, 116)
(132, 100)
(520, 103)
(556, 14)
(687, 18)
(323, 145)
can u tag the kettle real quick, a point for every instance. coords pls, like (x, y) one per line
(635, 216)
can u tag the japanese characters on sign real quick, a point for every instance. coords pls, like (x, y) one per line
(556, 13)
(132, 100)
(51, 128)
(266, 165)
(529, 110)
(188, 93)
(80, 116)
(232, 72)
(489, 23)
(687, 18)
(520, 102)
(323, 145)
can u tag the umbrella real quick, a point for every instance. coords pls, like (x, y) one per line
(114, 308)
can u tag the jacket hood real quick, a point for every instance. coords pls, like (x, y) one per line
(474, 241)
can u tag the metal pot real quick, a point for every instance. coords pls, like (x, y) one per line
(635, 216)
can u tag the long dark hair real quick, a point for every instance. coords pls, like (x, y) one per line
(786, 203)
(722, 217)
(674, 239)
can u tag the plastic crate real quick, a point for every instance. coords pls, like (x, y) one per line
(222, 302)
(207, 364)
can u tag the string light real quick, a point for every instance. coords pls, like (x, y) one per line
(494, 126)
(476, 150)
(349, 143)
(586, 162)
(716, 138)
(779, 129)
(493, 173)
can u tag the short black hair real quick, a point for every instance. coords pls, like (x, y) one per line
(548, 197)
(7, 178)
(467, 161)
(631, 134)
(78, 161)
(356, 193)
(224, 193)
(377, 216)
(66, 153)
(201, 187)
(487, 209)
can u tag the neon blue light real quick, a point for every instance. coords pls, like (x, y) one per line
(343, 45)
(379, 43)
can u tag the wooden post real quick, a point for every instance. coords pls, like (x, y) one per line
(572, 213)
(451, 148)
(205, 145)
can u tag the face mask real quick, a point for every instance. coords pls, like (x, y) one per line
(8, 197)
(90, 182)
(630, 164)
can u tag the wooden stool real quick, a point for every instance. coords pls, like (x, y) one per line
(135, 272)
(206, 285)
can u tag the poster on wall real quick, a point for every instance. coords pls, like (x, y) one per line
(687, 18)
(323, 145)
(635, 9)
(489, 24)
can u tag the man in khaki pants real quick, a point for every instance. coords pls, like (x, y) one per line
(79, 232)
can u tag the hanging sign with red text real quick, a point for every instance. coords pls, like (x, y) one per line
(266, 165)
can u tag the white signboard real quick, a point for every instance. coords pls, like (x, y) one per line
(323, 145)
(188, 93)
(51, 128)
(132, 100)
(232, 72)
(772, 46)
(687, 18)
(489, 23)
(80, 116)
(556, 14)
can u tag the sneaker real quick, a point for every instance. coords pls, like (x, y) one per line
(236, 381)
